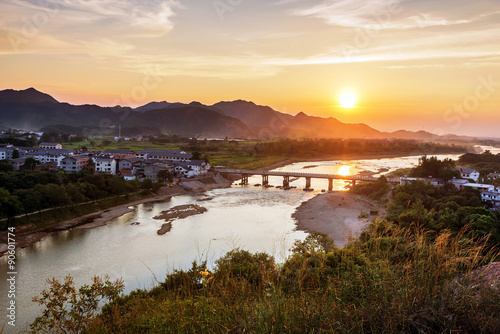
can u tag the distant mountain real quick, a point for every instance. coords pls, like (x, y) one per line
(30, 95)
(157, 105)
(190, 120)
(30, 109)
(252, 114)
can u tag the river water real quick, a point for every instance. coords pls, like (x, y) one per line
(252, 218)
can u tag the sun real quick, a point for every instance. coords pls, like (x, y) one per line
(347, 99)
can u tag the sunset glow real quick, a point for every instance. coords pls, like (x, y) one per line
(433, 64)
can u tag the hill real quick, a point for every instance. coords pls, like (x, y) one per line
(31, 110)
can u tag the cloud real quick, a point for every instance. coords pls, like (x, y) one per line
(99, 17)
(384, 14)
(352, 13)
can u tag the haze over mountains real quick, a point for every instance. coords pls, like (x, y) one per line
(32, 110)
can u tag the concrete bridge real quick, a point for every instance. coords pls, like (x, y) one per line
(308, 176)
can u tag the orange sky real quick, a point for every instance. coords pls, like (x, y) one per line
(418, 65)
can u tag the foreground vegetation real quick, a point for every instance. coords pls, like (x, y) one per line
(391, 280)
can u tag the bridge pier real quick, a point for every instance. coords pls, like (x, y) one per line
(265, 180)
(308, 182)
(330, 184)
(353, 183)
(244, 180)
(286, 181)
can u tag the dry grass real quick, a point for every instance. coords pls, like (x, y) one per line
(391, 280)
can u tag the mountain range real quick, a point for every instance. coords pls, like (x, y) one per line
(32, 110)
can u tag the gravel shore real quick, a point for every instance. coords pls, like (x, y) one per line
(341, 215)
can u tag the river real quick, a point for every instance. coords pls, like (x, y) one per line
(252, 218)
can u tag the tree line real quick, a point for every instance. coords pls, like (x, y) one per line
(30, 191)
(311, 147)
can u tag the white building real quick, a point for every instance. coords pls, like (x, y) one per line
(468, 173)
(480, 187)
(170, 155)
(432, 180)
(492, 196)
(53, 146)
(199, 167)
(105, 165)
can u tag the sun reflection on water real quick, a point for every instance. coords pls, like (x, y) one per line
(345, 170)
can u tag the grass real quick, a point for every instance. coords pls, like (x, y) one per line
(246, 162)
(391, 280)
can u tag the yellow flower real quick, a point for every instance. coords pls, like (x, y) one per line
(204, 273)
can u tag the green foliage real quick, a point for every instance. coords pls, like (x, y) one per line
(436, 168)
(165, 175)
(314, 147)
(443, 208)
(68, 310)
(256, 269)
(374, 190)
(315, 242)
(147, 184)
(6, 166)
(31, 191)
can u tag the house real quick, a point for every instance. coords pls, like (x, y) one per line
(6, 153)
(53, 146)
(128, 174)
(492, 196)
(74, 163)
(49, 155)
(200, 167)
(130, 163)
(480, 187)
(151, 170)
(494, 176)
(105, 165)
(115, 153)
(17, 163)
(458, 183)
(468, 173)
(46, 166)
(170, 155)
(432, 180)
(182, 170)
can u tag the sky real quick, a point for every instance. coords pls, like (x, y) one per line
(411, 64)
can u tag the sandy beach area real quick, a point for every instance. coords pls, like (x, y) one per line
(341, 215)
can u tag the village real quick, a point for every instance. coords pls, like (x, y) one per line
(146, 164)
(469, 179)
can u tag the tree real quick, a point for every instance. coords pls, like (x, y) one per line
(6, 166)
(9, 206)
(147, 184)
(68, 310)
(196, 156)
(15, 154)
(165, 175)
(30, 163)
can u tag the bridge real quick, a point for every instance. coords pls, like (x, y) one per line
(308, 176)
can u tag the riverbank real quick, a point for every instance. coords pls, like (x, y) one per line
(88, 221)
(341, 215)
